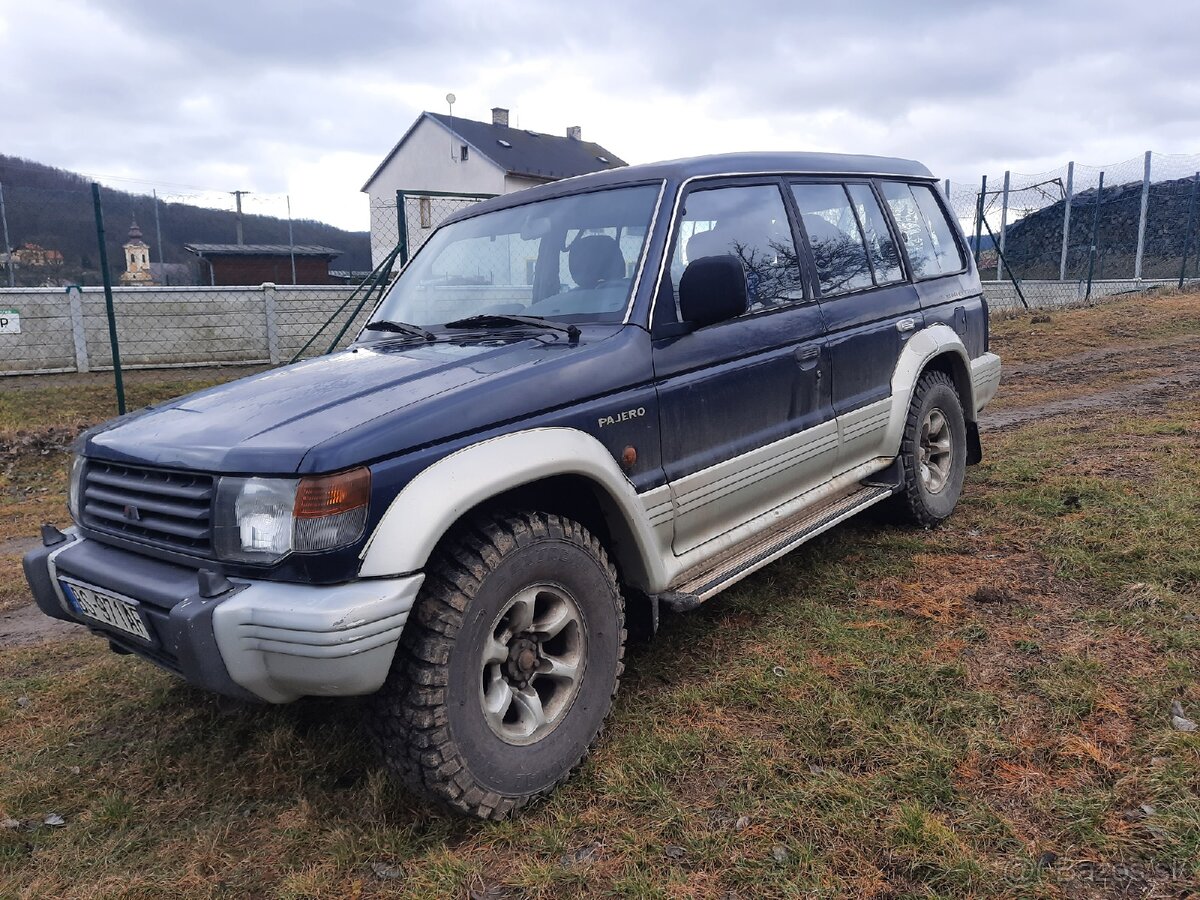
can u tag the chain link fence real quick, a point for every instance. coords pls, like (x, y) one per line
(233, 279)
(1074, 234)
(196, 279)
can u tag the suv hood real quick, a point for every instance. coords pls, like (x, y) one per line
(372, 401)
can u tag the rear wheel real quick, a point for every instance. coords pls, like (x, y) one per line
(507, 666)
(933, 451)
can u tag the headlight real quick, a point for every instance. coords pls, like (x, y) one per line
(75, 487)
(264, 519)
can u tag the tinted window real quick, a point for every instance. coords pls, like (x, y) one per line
(931, 247)
(747, 222)
(885, 257)
(835, 238)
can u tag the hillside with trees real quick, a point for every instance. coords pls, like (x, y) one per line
(52, 209)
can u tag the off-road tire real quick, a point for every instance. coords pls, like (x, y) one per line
(426, 718)
(914, 502)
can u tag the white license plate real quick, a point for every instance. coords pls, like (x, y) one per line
(115, 611)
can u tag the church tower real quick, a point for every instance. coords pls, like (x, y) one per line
(137, 258)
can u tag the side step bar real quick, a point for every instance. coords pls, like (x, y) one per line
(700, 585)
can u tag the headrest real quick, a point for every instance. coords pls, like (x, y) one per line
(594, 259)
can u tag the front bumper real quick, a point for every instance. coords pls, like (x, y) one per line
(266, 640)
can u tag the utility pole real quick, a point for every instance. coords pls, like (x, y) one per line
(291, 240)
(158, 228)
(238, 194)
(8, 260)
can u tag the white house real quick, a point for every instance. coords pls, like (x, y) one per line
(443, 154)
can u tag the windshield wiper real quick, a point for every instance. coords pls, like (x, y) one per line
(504, 320)
(400, 328)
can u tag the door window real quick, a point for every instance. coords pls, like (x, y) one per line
(885, 256)
(835, 237)
(927, 235)
(750, 223)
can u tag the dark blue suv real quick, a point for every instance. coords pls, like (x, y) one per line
(618, 391)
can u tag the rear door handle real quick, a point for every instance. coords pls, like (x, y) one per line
(906, 325)
(804, 354)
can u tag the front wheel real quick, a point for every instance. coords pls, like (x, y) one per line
(933, 451)
(507, 666)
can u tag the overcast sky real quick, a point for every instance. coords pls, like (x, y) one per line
(306, 97)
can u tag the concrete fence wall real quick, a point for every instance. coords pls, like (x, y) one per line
(159, 327)
(66, 330)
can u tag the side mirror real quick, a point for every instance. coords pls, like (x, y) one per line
(713, 289)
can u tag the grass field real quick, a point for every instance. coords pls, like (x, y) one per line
(980, 710)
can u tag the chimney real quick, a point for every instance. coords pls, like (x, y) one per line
(574, 132)
(499, 116)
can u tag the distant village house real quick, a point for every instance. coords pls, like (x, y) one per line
(443, 154)
(241, 264)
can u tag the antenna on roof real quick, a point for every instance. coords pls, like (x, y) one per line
(450, 98)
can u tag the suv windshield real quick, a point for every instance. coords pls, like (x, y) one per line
(570, 259)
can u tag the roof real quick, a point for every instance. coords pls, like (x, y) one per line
(530, 154)
(261, 250)
(677, 171)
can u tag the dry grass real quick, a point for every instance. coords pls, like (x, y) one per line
(978, 710)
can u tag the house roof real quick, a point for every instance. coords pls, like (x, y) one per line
(261, 250)
(530, 154)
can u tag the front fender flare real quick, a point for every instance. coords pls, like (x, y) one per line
(440, 495)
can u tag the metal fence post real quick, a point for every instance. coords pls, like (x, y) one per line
(979, 220)
(1187, 232)
(1003, 227)
(402, 224)
(118, 380)
(1141, 243)
(272, 325)
(947, 188)
(1062, 264)
(1094, 249)
(8, 261)
(75, 302)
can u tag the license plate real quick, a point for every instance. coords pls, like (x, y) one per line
(113, 610)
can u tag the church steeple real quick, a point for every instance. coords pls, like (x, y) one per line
(137, 258)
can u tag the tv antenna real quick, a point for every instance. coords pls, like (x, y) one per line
(450, 99)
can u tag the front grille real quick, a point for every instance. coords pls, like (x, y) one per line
(167, 509)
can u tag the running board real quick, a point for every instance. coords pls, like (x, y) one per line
(700, 585)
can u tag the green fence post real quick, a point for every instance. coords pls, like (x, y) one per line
(979, 221)
(108, 301)
(402, 222)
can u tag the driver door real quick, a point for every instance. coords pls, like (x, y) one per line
(744, 405)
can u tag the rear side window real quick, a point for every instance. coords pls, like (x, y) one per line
(927, 235)
(751, 223)
(885, 257)
(835, 237)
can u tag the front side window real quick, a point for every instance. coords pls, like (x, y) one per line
(927, 235)
(835, 238)
(569, 258)
(750, 223)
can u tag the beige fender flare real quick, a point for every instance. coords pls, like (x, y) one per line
(439, 496)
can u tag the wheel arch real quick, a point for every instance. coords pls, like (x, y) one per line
(558, 470)
(936, 348)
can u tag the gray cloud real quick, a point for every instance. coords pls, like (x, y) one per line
(256, 92)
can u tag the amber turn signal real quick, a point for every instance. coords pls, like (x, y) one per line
(328, 495)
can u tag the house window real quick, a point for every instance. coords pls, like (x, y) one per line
(426, 213)
(463, 153)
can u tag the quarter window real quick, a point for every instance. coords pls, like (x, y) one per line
(927, 235)
(835, 238)
(750, 223)
(885, 257)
